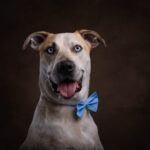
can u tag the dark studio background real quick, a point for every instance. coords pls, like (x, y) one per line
(119, 72)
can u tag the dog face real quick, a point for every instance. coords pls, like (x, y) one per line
(64, 63)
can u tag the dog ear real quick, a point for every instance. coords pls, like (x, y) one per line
(35, 40)
(92, 37)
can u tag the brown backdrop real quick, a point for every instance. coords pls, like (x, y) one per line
(119, 72)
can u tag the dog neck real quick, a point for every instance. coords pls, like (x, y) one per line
(56, 111)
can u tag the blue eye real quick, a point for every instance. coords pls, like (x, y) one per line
(51, 49)
(77, 48)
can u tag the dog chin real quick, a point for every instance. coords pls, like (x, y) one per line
(67, 88)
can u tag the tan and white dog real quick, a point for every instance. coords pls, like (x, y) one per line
(65, 68)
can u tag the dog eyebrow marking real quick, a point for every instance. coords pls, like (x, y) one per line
(53, 44)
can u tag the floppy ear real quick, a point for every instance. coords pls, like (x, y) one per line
(92, 37)
(35, 40)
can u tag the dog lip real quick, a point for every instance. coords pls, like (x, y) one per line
(54, 86)
(80, 84)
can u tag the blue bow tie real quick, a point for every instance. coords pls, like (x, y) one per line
(91, 104)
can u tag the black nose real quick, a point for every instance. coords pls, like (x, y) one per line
(65, 67)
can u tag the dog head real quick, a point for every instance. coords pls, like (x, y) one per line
(65, 64)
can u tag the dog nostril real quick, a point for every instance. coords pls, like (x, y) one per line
(65, 67)
(69, 68)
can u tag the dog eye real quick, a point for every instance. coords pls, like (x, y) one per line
(50, 50)
(77, 48)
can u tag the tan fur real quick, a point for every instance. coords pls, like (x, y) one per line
(47, 42)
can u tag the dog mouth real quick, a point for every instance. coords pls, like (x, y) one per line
(67, 88)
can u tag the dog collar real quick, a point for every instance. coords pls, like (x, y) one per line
(91, 104)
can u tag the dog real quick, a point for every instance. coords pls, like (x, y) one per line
(64, 78)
